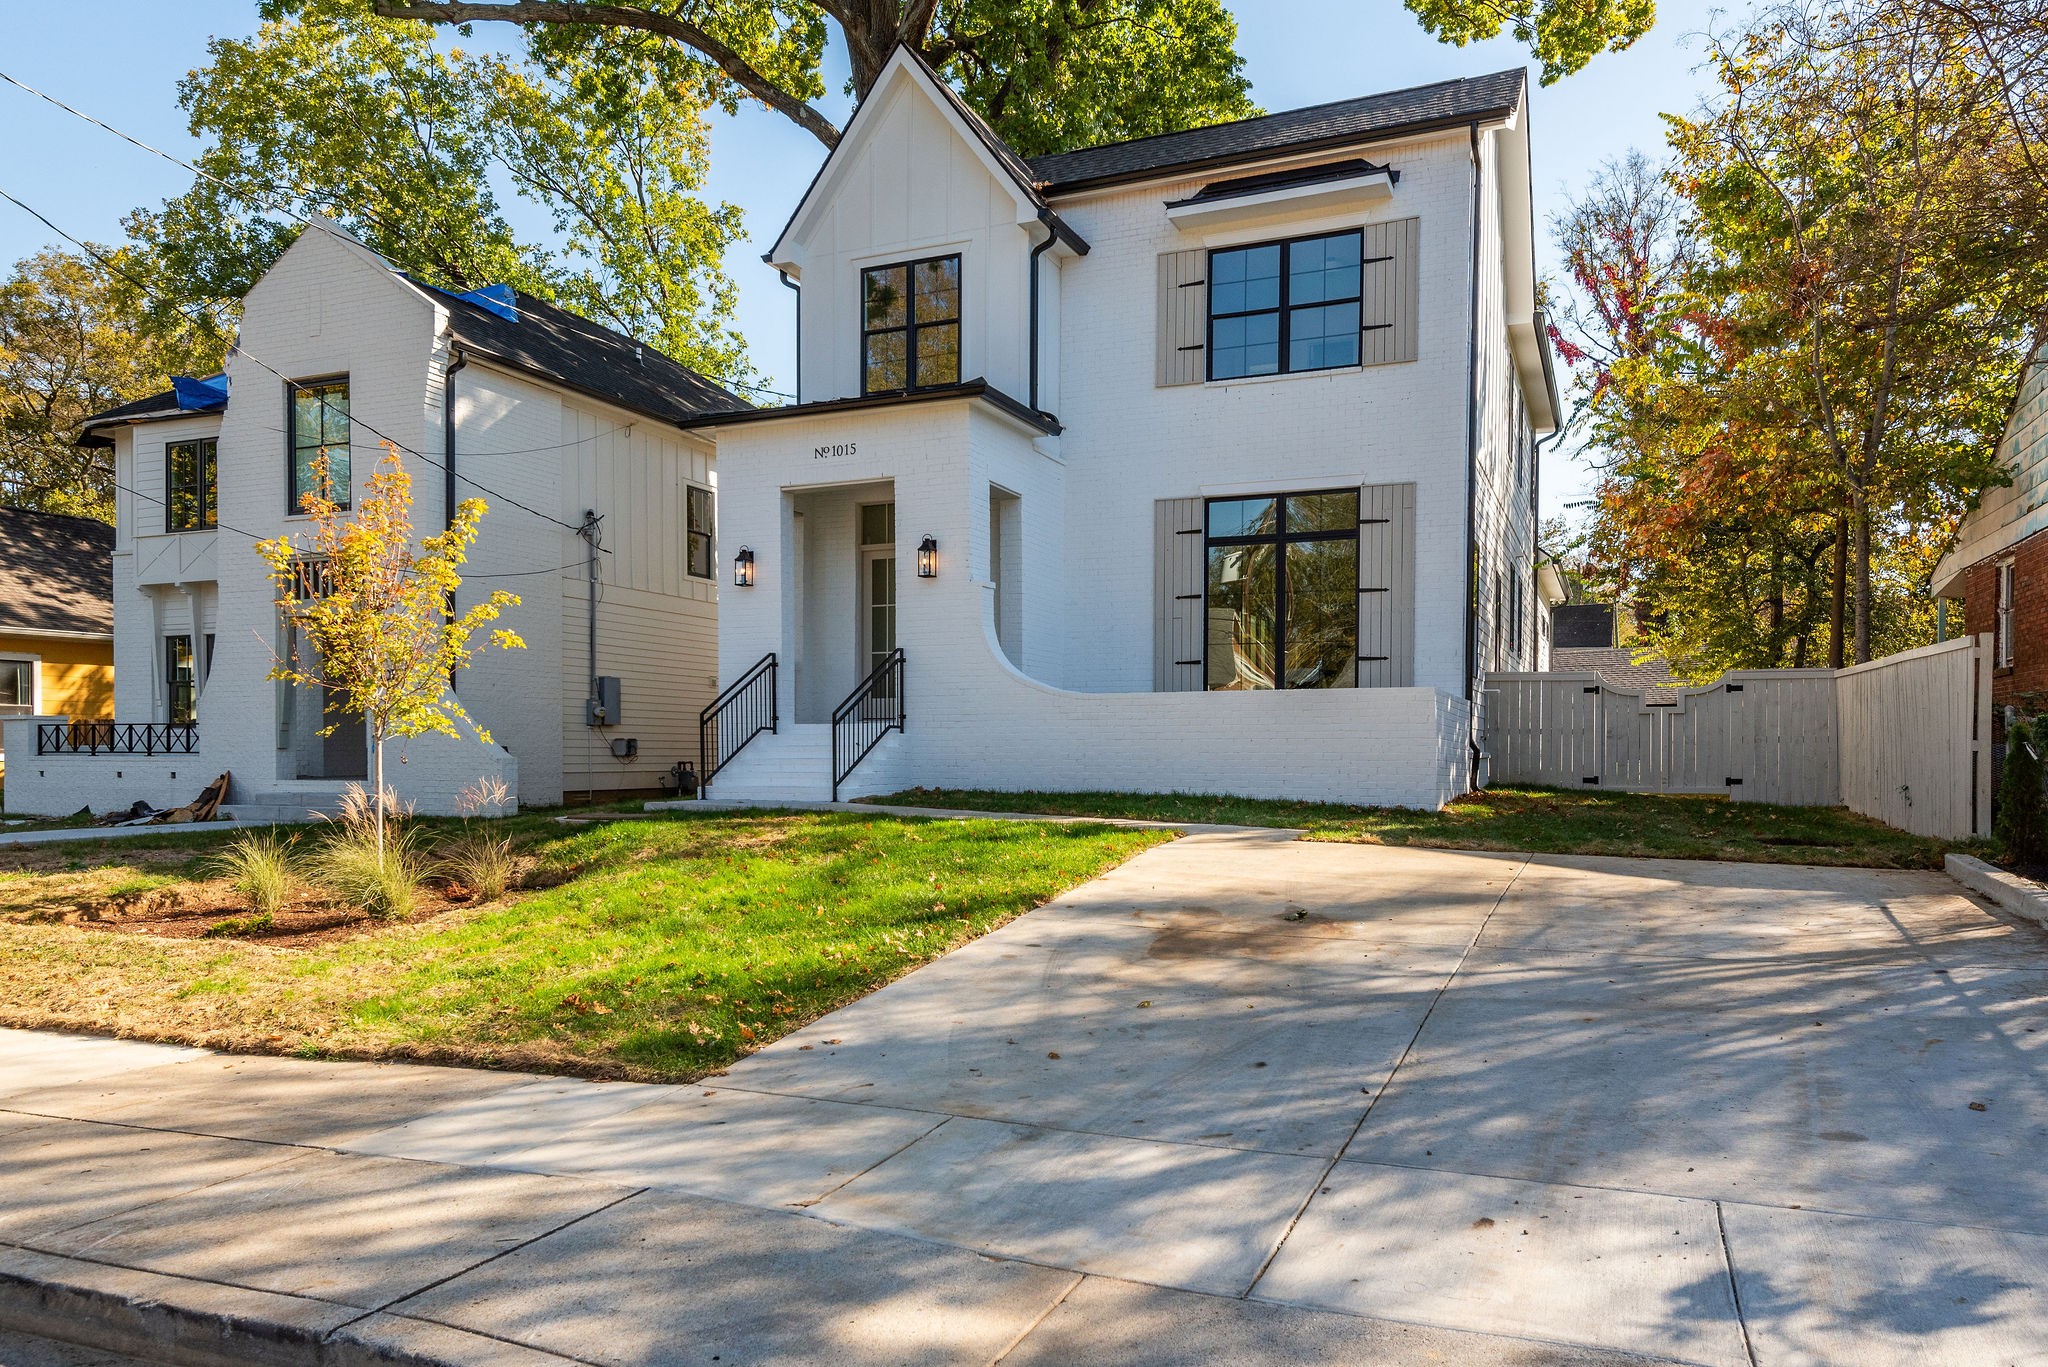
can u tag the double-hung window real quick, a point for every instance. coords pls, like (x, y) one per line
(2002, 645)
(181, 691)
(1280, 307)
(910, 325)
(17, 688)
(189, 478)
(319, 428)
(699, 553)
(1282, 592)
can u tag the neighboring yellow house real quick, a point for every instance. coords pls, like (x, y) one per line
(56, 616)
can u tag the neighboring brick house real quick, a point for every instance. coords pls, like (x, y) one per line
(552, 418)
(1215, 450)
(56, 615)
(1998, 566)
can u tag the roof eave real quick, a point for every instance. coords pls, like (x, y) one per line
(969, 389)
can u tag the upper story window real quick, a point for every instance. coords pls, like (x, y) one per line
(319, 425)
(699, 554)
(1279, 307)
(190, 468)
(910, 325)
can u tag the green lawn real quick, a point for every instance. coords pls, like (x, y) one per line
(1538, 820)
(653, 949)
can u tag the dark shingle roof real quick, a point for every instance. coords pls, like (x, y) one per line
(1345, 121)
(56, 572)
(558, 345)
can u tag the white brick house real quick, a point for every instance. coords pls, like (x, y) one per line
(550, 411)
(1218, 445)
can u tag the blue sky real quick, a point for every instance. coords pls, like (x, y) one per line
(122, 60)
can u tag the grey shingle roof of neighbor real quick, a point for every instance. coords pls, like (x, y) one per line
(1395, 111)
(1617, 668)
(56, 572)
(550, 342)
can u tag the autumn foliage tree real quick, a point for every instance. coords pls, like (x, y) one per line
(371, 610)
(1796, 342)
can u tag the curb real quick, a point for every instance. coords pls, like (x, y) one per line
(712, 804)
(177, 1320)
(2015, 894)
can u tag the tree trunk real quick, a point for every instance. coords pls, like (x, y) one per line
(1862, 577)
(1841, 577)
(378, 747)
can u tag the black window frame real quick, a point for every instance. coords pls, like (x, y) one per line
(346, 488)
(1279, 539)
(692, 536)
(911, 325)
(180, 696)
(1284, 308)
(205, 481)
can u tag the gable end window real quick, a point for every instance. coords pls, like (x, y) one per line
(316, 420)
(190, 468)
(1280, 307)
(700, 556)
(910, 325)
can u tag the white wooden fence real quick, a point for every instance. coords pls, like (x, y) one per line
(1906, 739)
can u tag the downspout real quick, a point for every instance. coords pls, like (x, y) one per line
(1051, 236)
(457, 360)
(1472, 472)
(799, 330)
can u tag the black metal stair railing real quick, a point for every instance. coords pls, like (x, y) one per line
(870, 712)
(743, 711)
(117, 738)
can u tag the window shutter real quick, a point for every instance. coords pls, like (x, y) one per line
(1183, 316)
(1389, 287)
(1386, 586)
(1178, 577)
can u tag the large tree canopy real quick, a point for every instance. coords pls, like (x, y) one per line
(331, 111)
(1047, 74)
(1796, 347)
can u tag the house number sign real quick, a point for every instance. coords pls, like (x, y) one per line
(834, 451)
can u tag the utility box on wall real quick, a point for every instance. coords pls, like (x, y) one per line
(603, 708)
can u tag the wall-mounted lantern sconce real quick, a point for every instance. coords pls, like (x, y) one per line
(743, 569)
(928, 557)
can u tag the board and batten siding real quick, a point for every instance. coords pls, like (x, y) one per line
(1386, 586)
(1179, 581)
(657, 625)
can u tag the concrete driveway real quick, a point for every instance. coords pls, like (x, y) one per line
(1242, 1100)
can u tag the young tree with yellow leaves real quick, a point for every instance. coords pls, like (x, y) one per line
(373, 612)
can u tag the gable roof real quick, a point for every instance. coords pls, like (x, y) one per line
(551, 342)
(56, 573)
(1013, 167)
(1415, 109)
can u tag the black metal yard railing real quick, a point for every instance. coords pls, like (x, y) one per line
(870, 712)
(743, 711)
(116, 738)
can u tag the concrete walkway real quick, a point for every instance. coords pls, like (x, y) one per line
(1240, 1101)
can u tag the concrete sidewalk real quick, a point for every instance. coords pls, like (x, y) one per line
(1237, 1102)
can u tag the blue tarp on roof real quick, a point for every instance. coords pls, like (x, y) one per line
(497, 298)
(200, 396)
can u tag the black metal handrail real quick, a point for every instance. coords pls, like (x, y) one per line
(870, 712)
(743, 711)
(117, 738)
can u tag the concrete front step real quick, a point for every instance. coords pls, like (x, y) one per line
(795, 765)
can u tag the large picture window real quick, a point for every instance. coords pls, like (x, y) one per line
(319, 426)
(1285, 306)
(700, 556)
(910, 325)
(1282, 593)
(189, 473)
